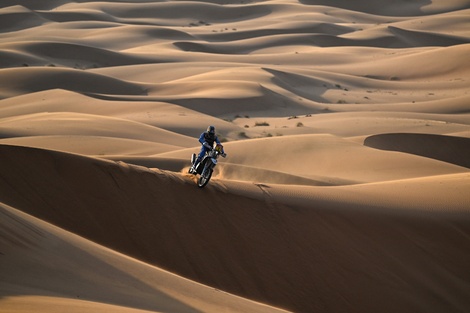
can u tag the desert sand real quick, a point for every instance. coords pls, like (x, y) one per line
(347, 182)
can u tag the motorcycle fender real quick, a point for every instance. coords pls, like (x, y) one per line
(214, 161)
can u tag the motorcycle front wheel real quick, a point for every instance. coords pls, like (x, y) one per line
(205, 177)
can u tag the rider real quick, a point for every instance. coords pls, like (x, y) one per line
(207, 140)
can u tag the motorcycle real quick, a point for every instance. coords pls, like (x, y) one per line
(206, 166)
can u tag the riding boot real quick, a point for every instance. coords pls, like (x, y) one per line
(194, 167)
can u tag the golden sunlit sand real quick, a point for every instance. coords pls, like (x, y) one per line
(347, 183)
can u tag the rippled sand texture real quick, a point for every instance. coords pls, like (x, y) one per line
(347, 183)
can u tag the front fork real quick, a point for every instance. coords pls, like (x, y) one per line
(208, 166)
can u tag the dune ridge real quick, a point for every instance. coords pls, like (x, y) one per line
(345, 188)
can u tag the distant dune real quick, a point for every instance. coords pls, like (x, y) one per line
(346, 185)
(455, 150)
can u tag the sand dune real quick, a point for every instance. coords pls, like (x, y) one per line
(247, 238)
(398, 8)
(453, 150)
(42, 251)
(36, 79)
(345, 189)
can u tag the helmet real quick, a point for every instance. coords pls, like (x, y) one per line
(211, 130)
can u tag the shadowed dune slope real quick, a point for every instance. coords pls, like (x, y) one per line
(398, 7)
(64, 54)
(26, 80)
(450, 149)
(303, 254)
(47, 269)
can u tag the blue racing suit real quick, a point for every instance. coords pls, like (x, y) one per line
(210, 139)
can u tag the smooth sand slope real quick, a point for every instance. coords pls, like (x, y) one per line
(346, 187)
(46, 269)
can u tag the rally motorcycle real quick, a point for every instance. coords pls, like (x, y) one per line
(206, 166)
